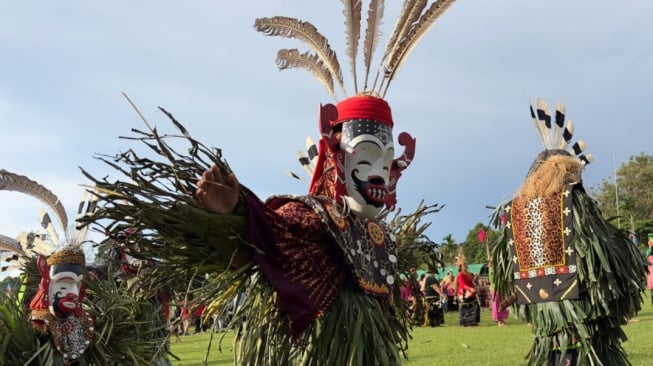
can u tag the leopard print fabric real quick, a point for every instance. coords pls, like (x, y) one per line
(537, 232)
(541, 244)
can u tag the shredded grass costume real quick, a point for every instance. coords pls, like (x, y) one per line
(576, 278)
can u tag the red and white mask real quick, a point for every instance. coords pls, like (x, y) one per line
(356, 163)
(65, 287)
(369, 152)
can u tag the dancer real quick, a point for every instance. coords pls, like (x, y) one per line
(56, 310)
(576, 278)
(67, 312)
(319, 270)
(469, 308)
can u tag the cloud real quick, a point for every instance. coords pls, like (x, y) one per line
(463, 92)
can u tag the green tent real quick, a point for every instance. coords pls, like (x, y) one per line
(478, 268)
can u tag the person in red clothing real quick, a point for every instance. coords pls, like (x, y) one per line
(466, 292)
(197, 317)
(185, 318)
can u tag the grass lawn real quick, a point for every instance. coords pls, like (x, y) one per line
(449, 344)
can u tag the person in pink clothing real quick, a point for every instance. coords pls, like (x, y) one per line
(649, 258)
(498, 315)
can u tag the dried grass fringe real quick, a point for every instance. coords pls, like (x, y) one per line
(551, 177)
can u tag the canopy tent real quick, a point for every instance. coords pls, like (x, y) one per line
(480, 269)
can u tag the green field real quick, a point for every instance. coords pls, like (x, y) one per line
(449, 345)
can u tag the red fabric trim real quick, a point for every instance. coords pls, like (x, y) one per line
(364, 107)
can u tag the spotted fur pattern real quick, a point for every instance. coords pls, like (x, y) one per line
(536, 226)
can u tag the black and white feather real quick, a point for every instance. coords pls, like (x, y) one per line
(557, 133)
(307, 159)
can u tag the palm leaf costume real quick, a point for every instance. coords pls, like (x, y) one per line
(236, 254)
(316, 283)
(129, 329)
(112, 323)
(576, 278)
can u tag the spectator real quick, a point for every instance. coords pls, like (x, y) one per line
(422, 283)
(408, 296)
(498, 315)
(185, 318)
(649, 258)
(433, 297)
(449, 288)
(197, 318)
(469, 308)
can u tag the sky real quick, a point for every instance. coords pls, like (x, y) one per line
(463, 93)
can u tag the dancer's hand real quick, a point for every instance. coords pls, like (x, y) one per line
(216, 194)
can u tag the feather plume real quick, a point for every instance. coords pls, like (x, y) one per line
(20, 183)
(87, 206)
(295, 176)
(372, 34)
(538, 125)
(292, 58)
(412, 15)
(568, 133)
(402, 19)
(305, 162)
(417, 31)
(11, 245)
(559, 124)
(352, 14)
(544, 116)
(578, 147)
(46, 223)
(306, 32)
(586, 159)
(311, 150)
(557, 137)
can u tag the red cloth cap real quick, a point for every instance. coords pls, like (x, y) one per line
(364, 107)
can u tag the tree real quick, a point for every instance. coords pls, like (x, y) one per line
(630, 200)
(474, 250)
(449, 250)
(7, 285)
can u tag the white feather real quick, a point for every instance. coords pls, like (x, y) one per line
(307, 167)
(546, 131)
(310, 144)
(558, 130)
(49, 227)
(536, 122)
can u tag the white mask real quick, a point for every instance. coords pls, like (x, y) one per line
(368, 159)
(65, 284)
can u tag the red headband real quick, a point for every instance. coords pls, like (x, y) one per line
(364, 107)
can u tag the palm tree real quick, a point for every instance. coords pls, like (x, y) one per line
(449, 250)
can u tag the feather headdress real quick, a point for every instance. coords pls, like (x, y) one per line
(460, 257)
(414, 21)
(19, 183)
(557, 135)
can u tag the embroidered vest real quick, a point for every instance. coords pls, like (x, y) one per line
(366, 245)
(540, 240)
